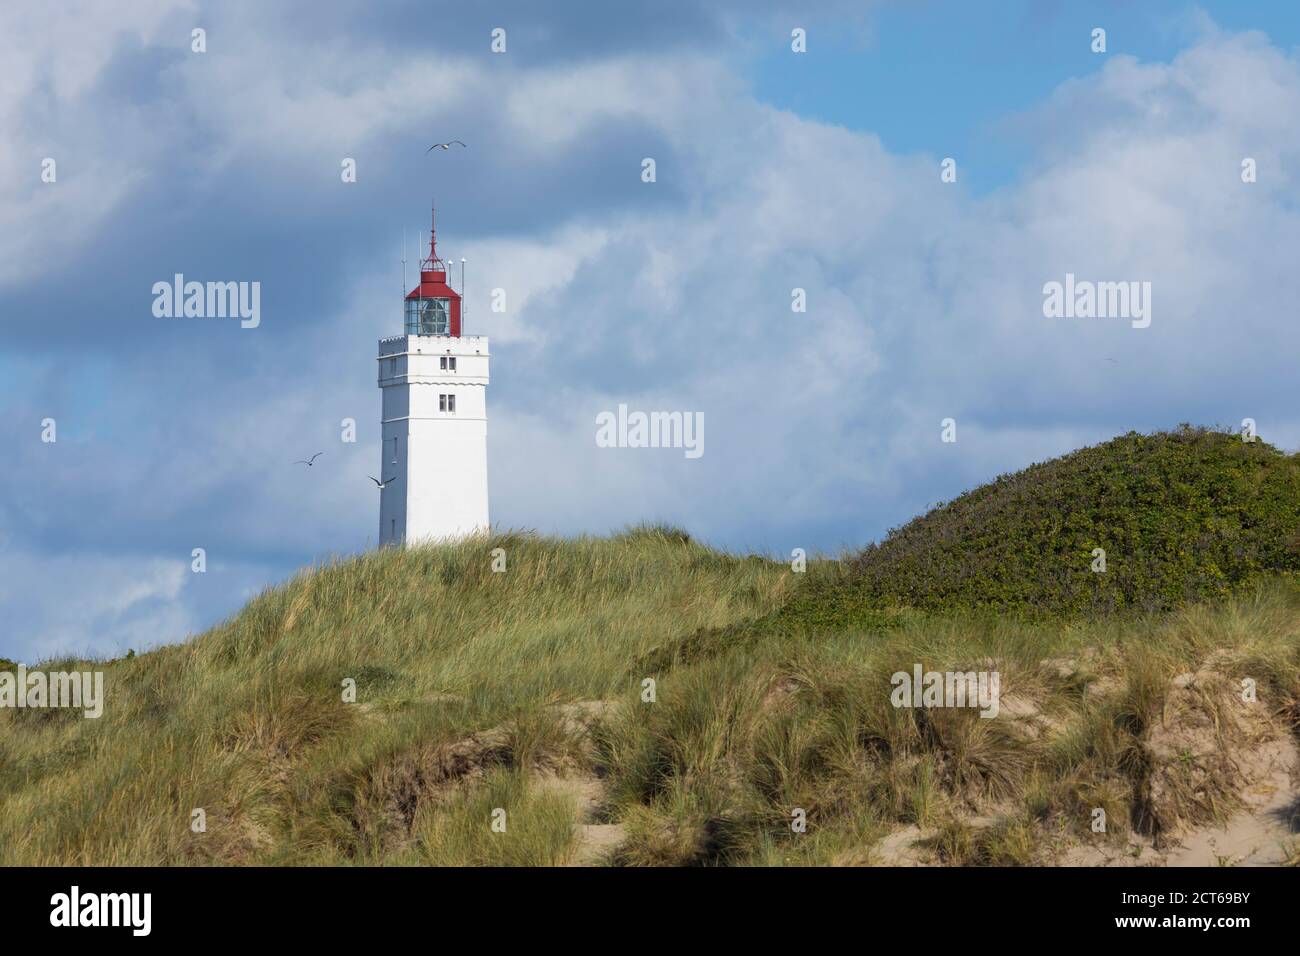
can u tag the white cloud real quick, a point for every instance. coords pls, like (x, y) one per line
(90, 603)
(526, 272)
(925, 303)
(52, 106)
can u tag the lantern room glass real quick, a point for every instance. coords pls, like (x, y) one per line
(428, 316)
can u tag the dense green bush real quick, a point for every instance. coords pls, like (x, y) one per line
(1182, 515)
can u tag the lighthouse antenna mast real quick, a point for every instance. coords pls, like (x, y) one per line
(432, 262)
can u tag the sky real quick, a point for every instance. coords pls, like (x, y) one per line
(775, 170)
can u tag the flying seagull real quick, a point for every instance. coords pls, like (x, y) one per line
(382, 484)
(444, 146)
(310, 461)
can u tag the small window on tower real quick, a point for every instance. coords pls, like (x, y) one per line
(442, 403)
(451, 363)
(442, 362)
(451, 403)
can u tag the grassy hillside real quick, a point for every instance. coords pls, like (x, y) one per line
(247, 722)
(523, 692)
(1181, 516)
(644, 699)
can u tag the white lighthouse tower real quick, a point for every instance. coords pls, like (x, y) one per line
(434, 382)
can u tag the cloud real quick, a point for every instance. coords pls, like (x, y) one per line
(99, 604)
(926, 303)
(54, 104)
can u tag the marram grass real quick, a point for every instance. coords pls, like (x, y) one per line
(247, 721)
(466, 679)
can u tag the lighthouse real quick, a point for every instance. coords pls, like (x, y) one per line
(434, 385)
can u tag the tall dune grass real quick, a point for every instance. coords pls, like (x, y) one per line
(247, 721)
(462, 675)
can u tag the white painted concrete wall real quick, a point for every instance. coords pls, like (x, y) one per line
(438, 458)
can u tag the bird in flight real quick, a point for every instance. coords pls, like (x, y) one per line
(382, 484)
(444, 146)
(310, 461)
